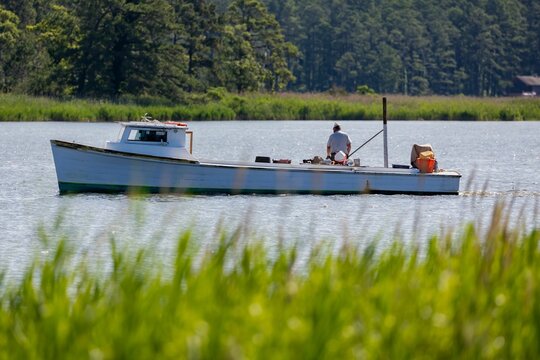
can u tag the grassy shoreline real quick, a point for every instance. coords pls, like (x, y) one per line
(285, 106)
(466, 295)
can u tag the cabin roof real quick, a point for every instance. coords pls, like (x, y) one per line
(529, 80)
(155, 124)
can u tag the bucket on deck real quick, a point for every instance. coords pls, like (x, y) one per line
(340, 156)
(425, 165)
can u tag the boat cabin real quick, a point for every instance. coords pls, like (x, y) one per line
(155, 138)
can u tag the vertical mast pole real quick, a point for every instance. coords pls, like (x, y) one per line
(385, 133)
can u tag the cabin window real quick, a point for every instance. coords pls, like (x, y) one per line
(148, 135)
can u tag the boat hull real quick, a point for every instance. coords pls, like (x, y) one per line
(81, 168)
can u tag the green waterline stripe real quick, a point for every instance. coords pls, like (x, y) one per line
(72, 188)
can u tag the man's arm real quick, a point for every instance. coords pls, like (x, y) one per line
(328, 150)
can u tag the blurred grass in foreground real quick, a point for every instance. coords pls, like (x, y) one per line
(466, 295)
(286, 106)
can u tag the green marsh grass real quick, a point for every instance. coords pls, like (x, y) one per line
(283, 106)
(469, 294)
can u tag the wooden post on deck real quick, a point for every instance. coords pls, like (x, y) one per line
(385, 133)
(190, 133)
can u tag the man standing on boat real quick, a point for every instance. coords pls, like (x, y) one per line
(338, 141)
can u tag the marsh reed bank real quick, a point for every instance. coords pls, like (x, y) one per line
(468, 294)
(285, 106)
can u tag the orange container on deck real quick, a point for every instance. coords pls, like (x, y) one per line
(425, 165)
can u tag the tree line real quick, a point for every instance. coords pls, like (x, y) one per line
(412, 47)
(170, 48)
(163, 48)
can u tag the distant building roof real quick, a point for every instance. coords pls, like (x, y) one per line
(529, 80)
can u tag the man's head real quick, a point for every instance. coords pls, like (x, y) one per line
(337, 127)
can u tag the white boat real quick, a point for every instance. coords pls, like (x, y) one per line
(152, 156)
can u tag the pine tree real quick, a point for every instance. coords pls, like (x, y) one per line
(58, 35)
(197, 30)
(267, 45)
(9, 36)
(126, 48)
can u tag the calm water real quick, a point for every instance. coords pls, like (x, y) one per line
(498, 160)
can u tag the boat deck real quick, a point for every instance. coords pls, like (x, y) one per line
(325, 168)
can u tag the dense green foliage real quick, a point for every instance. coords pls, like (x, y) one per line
(167, 48)
(473, 295)
(413, 47)
(164, 48)
(273, 107)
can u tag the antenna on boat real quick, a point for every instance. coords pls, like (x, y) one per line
(146, 118)
(385, 133)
